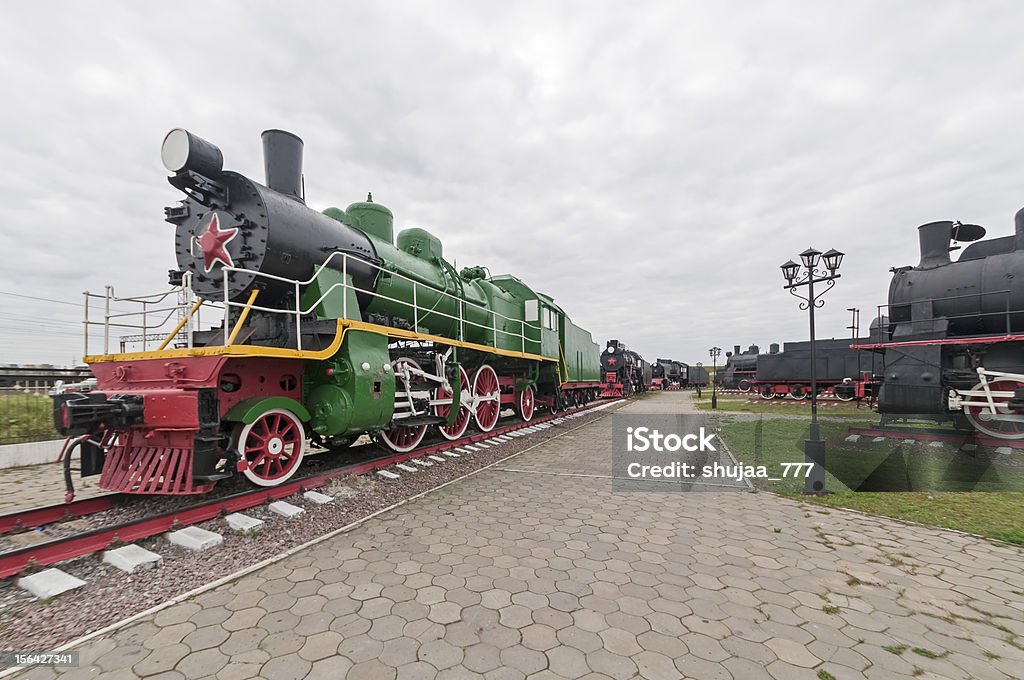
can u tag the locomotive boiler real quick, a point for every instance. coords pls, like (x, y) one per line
(953, 341)
(331, 327)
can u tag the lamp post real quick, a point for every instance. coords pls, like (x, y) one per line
(714, 352)
(814, 446)
(700, 371)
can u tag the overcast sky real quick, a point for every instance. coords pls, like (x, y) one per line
(649, 165)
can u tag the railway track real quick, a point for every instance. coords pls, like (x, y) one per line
(936, 434)
(64, 548)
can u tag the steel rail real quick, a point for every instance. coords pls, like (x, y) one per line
(936, 434)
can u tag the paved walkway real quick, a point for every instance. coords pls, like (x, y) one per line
(37, 485)
(544, 573)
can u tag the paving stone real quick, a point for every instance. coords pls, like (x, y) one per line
(481, 658)
(285, 509)
(132, 558)
(320, 646)
(793, 653)
(523, 659)
(195, 538)
(440, 654)
(287, 667)
(49, 583)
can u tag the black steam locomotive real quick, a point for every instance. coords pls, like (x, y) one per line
(740, 369)
(954, 341)
(623, 371)
(669, 374)
(845, 372)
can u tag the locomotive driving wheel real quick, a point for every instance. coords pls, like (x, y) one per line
(799, 392)
(1004, 423)
(403, 438)
(270, 447)
(767, 392)
(525, 404)
(487, 396)
(745, 385)
(458, 428)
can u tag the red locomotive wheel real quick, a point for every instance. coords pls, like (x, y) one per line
(526, 404)
(272, 447)
(767, 392)
(487, 394)
(403, 438)
(1004, 423)
(458, 428)
(799, 392)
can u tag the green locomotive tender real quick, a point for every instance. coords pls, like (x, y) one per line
(332, 328)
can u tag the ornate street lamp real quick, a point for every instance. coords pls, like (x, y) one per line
(714, 352)
(814, 446)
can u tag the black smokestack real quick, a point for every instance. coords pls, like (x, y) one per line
(1018, 223)
(282, 160)
(934, 238)
(736, 350)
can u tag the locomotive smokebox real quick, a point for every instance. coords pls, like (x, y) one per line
(934, 238)
(282, 161)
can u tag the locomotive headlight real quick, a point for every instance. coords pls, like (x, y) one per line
(183, 151)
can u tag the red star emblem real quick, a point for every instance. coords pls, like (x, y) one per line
(611, 360)
(214, 243)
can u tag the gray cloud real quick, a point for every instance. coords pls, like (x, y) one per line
(648, 166)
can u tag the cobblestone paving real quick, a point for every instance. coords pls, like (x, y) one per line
(514, 575)
(35, 485)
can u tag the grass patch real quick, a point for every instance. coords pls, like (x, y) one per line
(830, 609)
(26, 418)
(929, 654)
(783, 406)
(911, 482)
(991, 656)
(895, 649)
(825, 675)
(995, 515)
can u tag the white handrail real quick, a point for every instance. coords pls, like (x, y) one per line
(111, 316)
(298, 311)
